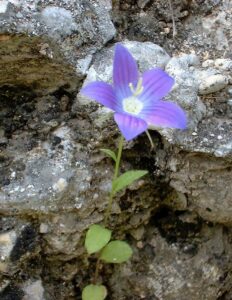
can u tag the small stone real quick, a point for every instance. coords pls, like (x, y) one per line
(138, 233)
(166, 30)
(213, 83)
(33, 290)
(194, 133)
(208, 63)
(53, 123)
(43, 228)
(60, 185)
(140, 245)
(58, 20)
(7, 242)
(219, 137)
(229, 102)
(230, 90)
(223, 63)
(3, 6)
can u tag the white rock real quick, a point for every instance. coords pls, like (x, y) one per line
(208, 63)
(58, 20)
(213, 84)
(3, 6)
(7, 242)
(60, 185)
(229, 102)
(224, 64)
(34, 291)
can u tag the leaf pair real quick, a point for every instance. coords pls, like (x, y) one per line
(98, 237)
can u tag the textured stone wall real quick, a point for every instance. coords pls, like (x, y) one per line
(54, 182)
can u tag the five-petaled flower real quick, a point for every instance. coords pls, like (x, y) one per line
(136, 99)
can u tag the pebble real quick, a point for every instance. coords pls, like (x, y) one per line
(60, 185)
(213, 83)
(208, 63)
(3, 6)
(33, 290)
(230, 91)
(229, 102)
(223, 63)
(7, 242)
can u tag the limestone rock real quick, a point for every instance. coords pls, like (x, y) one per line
(213, 84)
(78, 27)
(33, 290)
(183, 261)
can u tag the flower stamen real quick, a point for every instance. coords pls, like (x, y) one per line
(136, 91)
(132, 105)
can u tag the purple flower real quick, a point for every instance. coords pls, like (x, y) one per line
(136, 99)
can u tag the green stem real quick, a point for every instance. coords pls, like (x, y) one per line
(116, 171)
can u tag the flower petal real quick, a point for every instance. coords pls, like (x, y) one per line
(156, 84)
(130, 126)
(125, 71)
(102, 93)
(164, 114)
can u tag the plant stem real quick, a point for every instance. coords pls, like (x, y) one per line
(150, 139)
(96, 270)
(174, 32)
(116, 171)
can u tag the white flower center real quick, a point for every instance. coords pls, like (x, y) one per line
(132, 105)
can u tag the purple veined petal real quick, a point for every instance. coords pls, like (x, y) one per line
(102, 92)
(164, 114)
(156, 84)
(130, 126)
(125, 71)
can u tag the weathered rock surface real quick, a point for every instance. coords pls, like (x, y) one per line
(78, 27)
(179, 262)
(54, 182)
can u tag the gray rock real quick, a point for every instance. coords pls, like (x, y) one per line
(147, 54)
(44, 178)
(16, 244)
(80, 28)
(182, 268)
(58, 21)
(7, 243)
(213, 84)
(186, 86)
(33, 290)
(223, 64)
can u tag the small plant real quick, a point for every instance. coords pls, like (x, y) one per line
(137, 103)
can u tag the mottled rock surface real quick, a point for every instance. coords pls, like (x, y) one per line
(54, 181)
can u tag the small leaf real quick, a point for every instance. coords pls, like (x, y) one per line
(94, 292)
(110, 153)
(96, 238)
(116, 252)
(127, 178)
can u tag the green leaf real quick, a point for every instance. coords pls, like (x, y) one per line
(110, 153)
(116, 252)
(127, 178)
(96, 238)
(94, 292)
